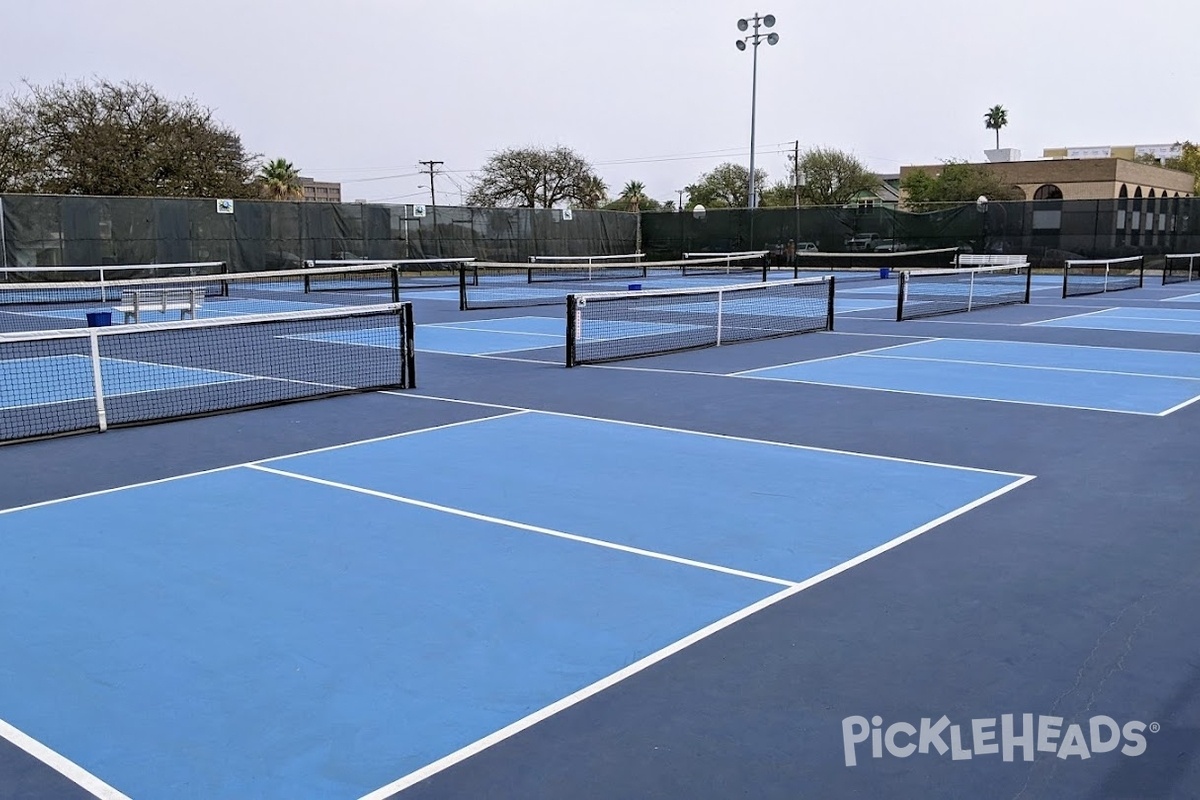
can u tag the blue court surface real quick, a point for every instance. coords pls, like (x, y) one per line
(1080, 377)
(330, 624)
(48, 380)
(1144, 320)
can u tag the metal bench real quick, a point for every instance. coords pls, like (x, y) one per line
(135, 302)
(988, 260)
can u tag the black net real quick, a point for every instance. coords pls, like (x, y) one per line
(867, 262)
(1181, 268)
(49, 305)
(89, 380)
(497, 285)
(1098, 276)
(744, 265)
(617, 326)
(927, 293)
(408, 274)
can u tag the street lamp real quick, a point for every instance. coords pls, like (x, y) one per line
(767, 21)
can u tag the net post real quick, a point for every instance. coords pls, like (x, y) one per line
(529, 275)
(394, 278)
(97, 380)
(1028, 283)
(1066, 269)
(900, 286)
(766, 268)
(720, 313)
(1107, 270)
(572, 329)
(829, 310)
(971, 292)
(408, 374)
(1142, 272)
(462, 287)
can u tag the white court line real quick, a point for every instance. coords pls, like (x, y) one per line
(60, 763)
(521, 526)
(212, 470)
(1182, 405)
(831, 358)
(1027, 366)
(660, 655)
(954, 396)
(706, 434)
(1072, 316)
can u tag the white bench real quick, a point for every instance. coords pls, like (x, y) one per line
(988, 260)
(135, 302)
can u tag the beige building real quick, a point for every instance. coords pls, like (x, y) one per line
(321, 191)
(1085, 178)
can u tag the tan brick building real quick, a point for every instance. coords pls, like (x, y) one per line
(321, 191)
(1085, 178)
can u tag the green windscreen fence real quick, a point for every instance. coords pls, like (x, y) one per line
(48, 230)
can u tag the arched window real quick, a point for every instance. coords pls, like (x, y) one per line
(1018, 193)
(1138, 192)
(1136, 217)
(1151, 194)
(1124, 191)
(1048, 191)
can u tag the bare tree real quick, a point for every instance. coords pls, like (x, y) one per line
(107, 138)
(536, 177)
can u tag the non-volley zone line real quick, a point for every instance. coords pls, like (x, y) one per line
(1138, 320)
(1144, 382)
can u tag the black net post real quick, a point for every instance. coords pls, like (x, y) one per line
(408, 377)
(901, 286)
(1028, 283)
(462, 287)
(1066, 271)
(830, 312)
(395, 280)
(1142, 272)
(571, 330)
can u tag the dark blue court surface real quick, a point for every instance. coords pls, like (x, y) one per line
(710, 574)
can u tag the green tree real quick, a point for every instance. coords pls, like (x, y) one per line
(726, 186)
(833, 177)
(777, 194)
(995, 119)
(1188, 161)
(280, 180)
(106, 138)
(955, 182)
(593, 192)
(535, 177)
(634, 198)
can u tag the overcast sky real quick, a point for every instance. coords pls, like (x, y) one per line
(359, 91)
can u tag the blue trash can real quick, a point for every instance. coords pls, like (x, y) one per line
(635, 287)
(99, 319)
(884, 272)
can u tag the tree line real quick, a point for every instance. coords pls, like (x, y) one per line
(106, 138)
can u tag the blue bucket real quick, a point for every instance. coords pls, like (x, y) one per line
(635, 287)
(884, 272)
(99, 319)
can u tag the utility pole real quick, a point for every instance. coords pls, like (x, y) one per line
(680, 193)
(432, 165)
(796, 171)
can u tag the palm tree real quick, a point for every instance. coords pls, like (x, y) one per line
(593, 192)
(634, 194)
(280, 180)
(995, 119)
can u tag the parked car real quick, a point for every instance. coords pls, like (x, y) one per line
(807, 247)
(889, 246)
(861, 242)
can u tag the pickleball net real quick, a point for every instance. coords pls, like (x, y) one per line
(1181, 268)
(1097, 276)
(55, 382)
(373, 274)
(604, 327)
(513, 285)
(927, 293)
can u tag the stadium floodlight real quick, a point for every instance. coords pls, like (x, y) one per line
(755, 39)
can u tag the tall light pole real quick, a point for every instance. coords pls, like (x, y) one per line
(755, 38)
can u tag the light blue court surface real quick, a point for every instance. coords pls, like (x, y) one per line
(62, 379)
(245, 633)
(211, 309)
(1104, 379)
(1144, 320)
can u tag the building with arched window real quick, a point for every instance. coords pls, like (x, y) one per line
(1084, 178)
